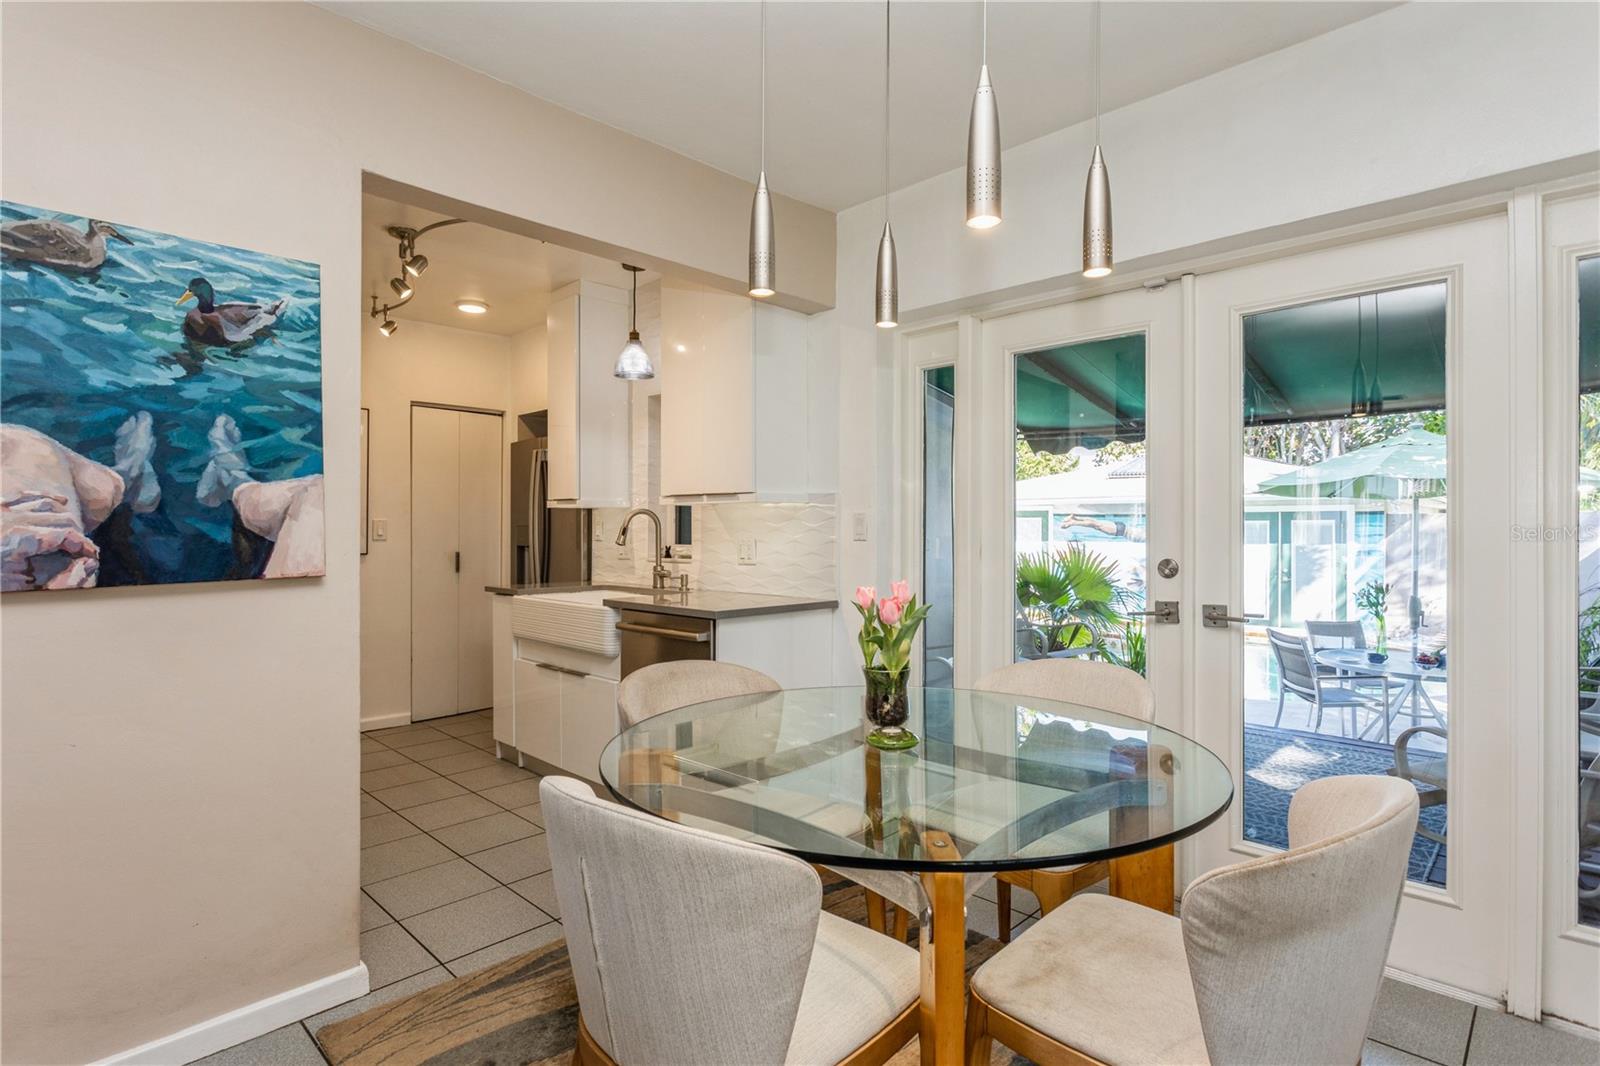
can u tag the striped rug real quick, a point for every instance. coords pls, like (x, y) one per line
(525, 1011)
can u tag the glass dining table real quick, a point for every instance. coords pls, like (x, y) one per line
(997, 783)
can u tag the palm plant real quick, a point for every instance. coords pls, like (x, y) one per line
(1069, 599)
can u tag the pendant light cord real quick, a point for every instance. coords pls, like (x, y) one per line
(886, 110)
(1096, 18)
(985, 32)
(634, 308)
(763, 86)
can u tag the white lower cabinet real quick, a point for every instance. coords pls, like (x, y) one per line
(588, 722)
(538, 710)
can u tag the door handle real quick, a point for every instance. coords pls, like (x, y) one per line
(458, 562)
(1165, 614)
(1216, 616)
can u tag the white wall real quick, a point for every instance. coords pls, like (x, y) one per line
(530, 364)
(424, 363)
(179, 776)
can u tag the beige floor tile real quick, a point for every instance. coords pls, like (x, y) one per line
(289, 1046)
(423, 890)
(513, 796)
(387, 994)
(370, 806)
(480, 834)
(382, 828)
(392, 954)
(368, 744)
(539, 890)
(469, 759)
(383, 861)
(389, 777)
(440, 813)
(501, 773)
(1376, 1054)
(419, 792)
(436, 749)
(462, 725)
(372, 915)
(516, 860)
(521, 944)
(481, 741)
(464, 926)
(1422, 1022)
(382, 759)
(532, 812)
(1500, 1039)
(414, 736)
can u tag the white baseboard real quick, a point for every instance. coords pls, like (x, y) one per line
(1567, 1026)
(249, 1021)
(1476, 998)
(384, 721)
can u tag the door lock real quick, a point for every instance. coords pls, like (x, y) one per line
(1167, 568)
(1165, 613)
(1216, 616)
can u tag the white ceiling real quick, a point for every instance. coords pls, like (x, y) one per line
(513, 274)
(687, 76)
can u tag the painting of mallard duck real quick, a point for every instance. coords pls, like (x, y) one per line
(225, 324)
(56, 243)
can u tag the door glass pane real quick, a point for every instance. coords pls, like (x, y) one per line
(1589, 591)
(938, 525)
(1081, 505)
(1344, 561)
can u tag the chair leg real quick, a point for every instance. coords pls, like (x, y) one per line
(980, 1045)
(1002, 906)
(1052, 891)
(1278, 720)
(877, 918)
(902, 923)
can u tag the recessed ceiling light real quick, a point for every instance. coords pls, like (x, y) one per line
(681, 347)
(472, 307)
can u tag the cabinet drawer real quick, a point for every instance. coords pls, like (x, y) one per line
(537, 699)
(588, 722)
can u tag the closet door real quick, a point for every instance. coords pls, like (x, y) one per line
(435, 538)
(479, 528)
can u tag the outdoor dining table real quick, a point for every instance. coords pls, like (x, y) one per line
(996, 783)
(1410, 677)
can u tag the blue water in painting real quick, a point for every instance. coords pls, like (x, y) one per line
(80, 353)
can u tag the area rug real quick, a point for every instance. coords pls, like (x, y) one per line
(525, 1011)
(1278, 761)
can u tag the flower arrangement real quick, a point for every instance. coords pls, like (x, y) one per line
(888, 627)
(1373, 598)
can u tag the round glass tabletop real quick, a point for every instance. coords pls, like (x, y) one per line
(998, 782)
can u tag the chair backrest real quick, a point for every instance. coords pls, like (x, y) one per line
(686, 947)
(662, 687)
(1296, 671)
(1286, 952)
(1103, 686)
(1336, 634)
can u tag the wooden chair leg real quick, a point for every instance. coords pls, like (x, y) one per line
(1002, 906)
(980, 1044)
(877, 918)
(902, 923)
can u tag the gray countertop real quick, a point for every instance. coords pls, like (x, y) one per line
(697, 603)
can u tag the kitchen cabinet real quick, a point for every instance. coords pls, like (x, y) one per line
(538, 710)
(561, 715)
(586, 326)
(588, 722)
(737, 417)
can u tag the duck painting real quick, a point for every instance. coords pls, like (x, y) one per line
(53, 243)
(225, 324)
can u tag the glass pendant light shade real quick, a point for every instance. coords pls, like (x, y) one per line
(1097, 259)
(1359, 397)
(983, 157)
(763, 262)
(634, 362)
(888, 281)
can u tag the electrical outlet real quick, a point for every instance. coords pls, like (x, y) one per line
(747, 551)
(380, 529)
(858, 525)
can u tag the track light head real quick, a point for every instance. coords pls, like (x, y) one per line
(388, 327)
(416, 265)
(400, 287)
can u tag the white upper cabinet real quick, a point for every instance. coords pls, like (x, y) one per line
(736, 416)
(589, 408)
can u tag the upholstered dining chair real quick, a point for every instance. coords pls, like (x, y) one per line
(1100, 685)
(1276, 960)
(737, 964)
(662, 687)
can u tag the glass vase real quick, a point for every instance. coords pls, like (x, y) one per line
(886, 708)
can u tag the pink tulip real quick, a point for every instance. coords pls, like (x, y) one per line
(889, 611)
(865, 595)
(901, 591)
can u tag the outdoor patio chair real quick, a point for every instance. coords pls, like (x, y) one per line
(1298, 676)
(1429, 768)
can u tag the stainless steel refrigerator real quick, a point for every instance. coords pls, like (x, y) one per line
(549, 545)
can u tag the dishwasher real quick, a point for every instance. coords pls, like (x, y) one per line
(650, 637)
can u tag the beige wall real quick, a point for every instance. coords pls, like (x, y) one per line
(179, 776)
(530, 363)
(423, 363)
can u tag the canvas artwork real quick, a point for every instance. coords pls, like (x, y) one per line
(160, 408)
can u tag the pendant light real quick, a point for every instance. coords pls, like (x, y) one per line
(887, 297)
(983, 147)
(1097, 261)
(634, 362)
(1360, 398)
(763, 264)
(1375, 397)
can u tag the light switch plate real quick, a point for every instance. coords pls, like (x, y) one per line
(747, 551)
(380, 529)
(858, 525)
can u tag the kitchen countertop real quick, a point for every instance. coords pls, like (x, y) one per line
(696, 603)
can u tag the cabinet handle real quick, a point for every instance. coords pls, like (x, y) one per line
(561, 669)
(663, 631)
(458, 562)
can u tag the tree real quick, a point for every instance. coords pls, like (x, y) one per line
(1032, 464)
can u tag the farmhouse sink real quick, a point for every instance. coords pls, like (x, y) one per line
(576, 620)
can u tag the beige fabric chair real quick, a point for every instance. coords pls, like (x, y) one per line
(1100, 685)
(1276, 960)
(662, 687)
(689, 947)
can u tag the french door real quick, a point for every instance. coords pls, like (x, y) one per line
(1350, 452)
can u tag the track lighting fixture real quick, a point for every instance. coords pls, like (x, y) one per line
(633, 363)
(416, 265)
(388, 327)
(412, 264)
(401, 288)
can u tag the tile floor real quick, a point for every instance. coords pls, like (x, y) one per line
(455, 876)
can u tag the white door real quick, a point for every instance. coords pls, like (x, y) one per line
(1350, 455)
(456, 481)
(1080, 485)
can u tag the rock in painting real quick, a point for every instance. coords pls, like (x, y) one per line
(143, 442)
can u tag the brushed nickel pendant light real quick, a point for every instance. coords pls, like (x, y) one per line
(1360, 398)
(633, 362)
(1097, 259)
(763, 254)
(983, 147)
(887, 295)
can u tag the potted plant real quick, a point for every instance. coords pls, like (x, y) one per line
(888, 628)
(1069, 599)
(1373, 598)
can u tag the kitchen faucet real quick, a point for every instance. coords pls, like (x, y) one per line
(659, 574)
